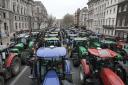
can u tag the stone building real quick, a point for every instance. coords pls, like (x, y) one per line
(110, 17)
(99, 15)
(22, 10)
(90, 15)
(5, 21)
(40, 15)
(122, 19)
(83, 17)
(76, 17)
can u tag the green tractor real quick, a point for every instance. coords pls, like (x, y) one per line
(23, 48)
(94, 42)
(79, 50)
(52, 41)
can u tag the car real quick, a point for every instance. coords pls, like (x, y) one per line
(51, 65)
(97, 68)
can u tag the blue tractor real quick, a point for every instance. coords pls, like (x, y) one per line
(51, 66)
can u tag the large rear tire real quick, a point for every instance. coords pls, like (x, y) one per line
(1, 80)
(24, 56)
(16, 66)
(121, 72)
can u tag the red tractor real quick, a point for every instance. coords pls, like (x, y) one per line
(10, 64)
(97, 68)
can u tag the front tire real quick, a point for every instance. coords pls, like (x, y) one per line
(1, 80)
(16, 65)
(24, 56)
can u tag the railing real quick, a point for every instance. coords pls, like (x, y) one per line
(109, 26)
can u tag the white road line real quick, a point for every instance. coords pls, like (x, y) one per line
(18, 76)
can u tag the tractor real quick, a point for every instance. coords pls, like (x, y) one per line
(98, 68)
(10, 64)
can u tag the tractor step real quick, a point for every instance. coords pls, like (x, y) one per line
(92, 82)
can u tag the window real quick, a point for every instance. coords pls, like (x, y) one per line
(4, 15)
(5, 26)
(119, 9)
(114, 10)
(113, 22)
(19, 25)
(110, 11)
(16, 25)
(15, 17)
(125, 7)
(111, 1)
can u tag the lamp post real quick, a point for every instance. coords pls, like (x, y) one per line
(0, 30)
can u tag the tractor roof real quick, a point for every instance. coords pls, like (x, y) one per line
(54, 52)
(51, 38)
(108, 42)
(80, 38)
(103, 53)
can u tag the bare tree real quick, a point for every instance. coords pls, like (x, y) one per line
(51, 20)
(68, 20)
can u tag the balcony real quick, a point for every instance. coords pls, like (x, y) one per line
(109, 26)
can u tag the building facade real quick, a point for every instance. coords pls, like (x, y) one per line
(40, 15)
(99, 15)
(122, 19)
(5, 21)
(76, 18)
(18, 15)
(83, 17)
(90, 21)
(110, 17)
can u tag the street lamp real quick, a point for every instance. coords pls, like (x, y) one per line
(0, 29)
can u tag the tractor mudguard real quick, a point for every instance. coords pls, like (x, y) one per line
(67, 67)
(51, 78)
(85, 67)
(10, 59)
(110, 78)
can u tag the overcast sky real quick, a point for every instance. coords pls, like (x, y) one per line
(59, 8)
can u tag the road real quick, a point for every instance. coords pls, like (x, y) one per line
(22, 78)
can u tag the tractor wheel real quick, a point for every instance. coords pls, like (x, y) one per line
(16, 65)
(76, 63)
(1, 80)
(120, 72)
(24, 56)
(81, 77)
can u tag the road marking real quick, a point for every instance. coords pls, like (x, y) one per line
(18, 76)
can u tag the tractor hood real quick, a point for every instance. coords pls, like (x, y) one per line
(19, 45)
(110, 78)
(15, 50)
(51, 78)
(31, 44)
(103, 53)
(83, 50)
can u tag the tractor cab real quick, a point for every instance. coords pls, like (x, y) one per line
(94, 42)
(79, 49)
(52, 41)
(98, 68)
(52, 65)
(109, 43)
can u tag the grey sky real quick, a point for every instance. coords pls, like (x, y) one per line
(59, 8)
